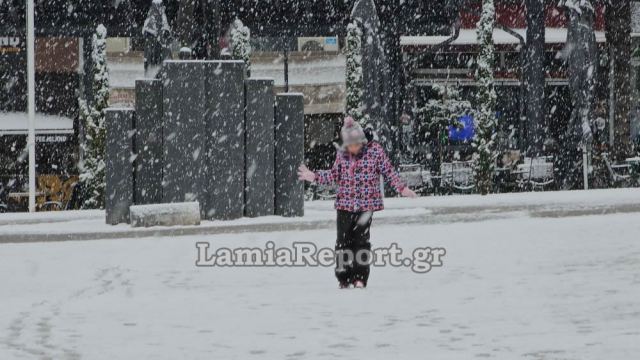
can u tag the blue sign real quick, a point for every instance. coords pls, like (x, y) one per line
(331, 40)
(465, 131)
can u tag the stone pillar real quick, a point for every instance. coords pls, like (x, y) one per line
(148, 142)
(259, 157)
(224, 128)
(184, 130)
(289, 154)
(118, 164)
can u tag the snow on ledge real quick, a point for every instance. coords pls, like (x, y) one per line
(264, 78)
(193, 61)
(16, 123)
(500, 37)
(121, 108)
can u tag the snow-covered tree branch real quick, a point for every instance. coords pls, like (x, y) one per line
(241, 43)
(437, 115)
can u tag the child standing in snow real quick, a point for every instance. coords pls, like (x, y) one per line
(356, 171)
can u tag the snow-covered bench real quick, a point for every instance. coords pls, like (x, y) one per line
(536, 172)
(457, 175)
(415, 177)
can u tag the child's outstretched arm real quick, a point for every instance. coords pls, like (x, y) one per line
(304, 174)
(322, 177)
(392, 177)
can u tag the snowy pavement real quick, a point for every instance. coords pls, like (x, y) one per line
(512, 287)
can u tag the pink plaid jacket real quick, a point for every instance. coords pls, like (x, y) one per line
(358, 178)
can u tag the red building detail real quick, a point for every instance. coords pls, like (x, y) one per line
(515, 16)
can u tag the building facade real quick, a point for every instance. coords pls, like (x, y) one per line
(289, 38)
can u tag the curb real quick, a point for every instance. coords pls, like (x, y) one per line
(436, 216)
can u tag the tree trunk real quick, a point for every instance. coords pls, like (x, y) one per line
(535, 76)
(582, 62)
(618, 29)
(212, 26)
(185, 23)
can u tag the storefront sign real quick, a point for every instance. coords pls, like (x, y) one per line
(51, 138)
(10, 44)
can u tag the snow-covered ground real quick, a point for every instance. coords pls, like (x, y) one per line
(530, 287)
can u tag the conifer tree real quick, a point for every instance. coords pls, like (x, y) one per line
(354, 77)
(92, 116)
(484, 144)
(241, 44)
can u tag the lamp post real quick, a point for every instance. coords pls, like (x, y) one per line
(31, 104)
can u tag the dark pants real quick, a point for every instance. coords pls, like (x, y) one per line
(353, 236)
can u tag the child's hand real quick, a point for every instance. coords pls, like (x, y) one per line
(305, 174)
(408, 193)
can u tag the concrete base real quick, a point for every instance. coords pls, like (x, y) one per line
(165, 214)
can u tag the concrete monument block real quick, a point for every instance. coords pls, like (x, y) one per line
(289, 154)
(224, 128)
(148, 142)
(118, 164)
(259, 148)
(184, 131)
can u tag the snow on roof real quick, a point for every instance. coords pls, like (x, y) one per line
(500, 37)
(15, 123)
